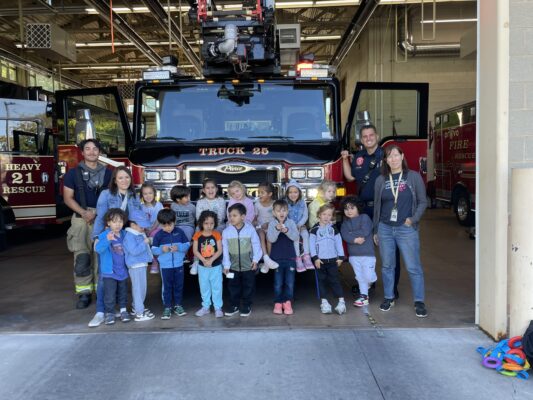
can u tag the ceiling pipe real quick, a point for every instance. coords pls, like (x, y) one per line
(122, 26)
(406, 45)
(362, 15)
(162, 17)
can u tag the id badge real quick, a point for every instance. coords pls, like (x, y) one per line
(394, 215)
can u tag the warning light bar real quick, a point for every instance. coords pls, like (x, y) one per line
(158, 75)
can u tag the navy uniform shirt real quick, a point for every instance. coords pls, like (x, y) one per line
(361, 167)
(91, 196)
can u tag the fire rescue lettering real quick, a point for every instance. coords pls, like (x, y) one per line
(21, 178)
(220, 151)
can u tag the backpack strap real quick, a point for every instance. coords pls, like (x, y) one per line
(80, 186)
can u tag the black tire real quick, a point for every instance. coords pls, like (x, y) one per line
(463, 209)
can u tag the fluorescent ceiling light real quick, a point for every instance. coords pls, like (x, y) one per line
(334, 3)
(126, 10)
(106, 67)
(449, 21)
(317, 37)
(292, 4)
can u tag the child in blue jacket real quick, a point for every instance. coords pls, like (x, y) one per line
(170, 245)
(138, 255)
(109, 245)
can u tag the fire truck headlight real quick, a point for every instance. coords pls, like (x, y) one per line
(297, 173)
(341, 192)
(312, 193)
(152, 175)
(168, 175)
(315, 173)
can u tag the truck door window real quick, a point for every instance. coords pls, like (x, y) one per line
(23, 132)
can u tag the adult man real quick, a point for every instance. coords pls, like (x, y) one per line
(364, 170)
(82, 186)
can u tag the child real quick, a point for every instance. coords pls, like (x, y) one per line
(185, 211)
(298, 213)
(263, 215)
(210, 201)
(326, 194)
(237, 194)
(282, 235)
(109, 246)
(151, 207)
(356, 230)
(171, 245)
(207, 247)
(138, 255)
(327, 254)
(241, 251)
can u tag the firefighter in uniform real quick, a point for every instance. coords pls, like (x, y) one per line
(82, 186)
(364, 170)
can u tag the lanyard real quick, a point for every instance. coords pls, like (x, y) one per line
(397, 191)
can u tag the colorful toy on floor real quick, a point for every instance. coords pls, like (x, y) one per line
(507, 357)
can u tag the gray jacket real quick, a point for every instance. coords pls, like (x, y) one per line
(418, 191)
(292, 233)
(360, 226)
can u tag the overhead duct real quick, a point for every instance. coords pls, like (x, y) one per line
(50, 41)
(405, 44)
(127, 31)
(359, 20)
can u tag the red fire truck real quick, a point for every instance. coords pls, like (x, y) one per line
(455, 160)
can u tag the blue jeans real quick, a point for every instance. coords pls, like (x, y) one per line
(408, 241)
(172, 286)
(284, 281)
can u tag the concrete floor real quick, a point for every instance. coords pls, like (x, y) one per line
(36, 286)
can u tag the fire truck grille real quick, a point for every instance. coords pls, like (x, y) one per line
(248, 178)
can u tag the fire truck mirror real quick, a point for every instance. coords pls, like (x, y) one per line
(84, 128)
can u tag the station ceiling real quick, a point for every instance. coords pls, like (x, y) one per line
(96, 63)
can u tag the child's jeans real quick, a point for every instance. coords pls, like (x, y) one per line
(115, 291)
(172, 286)
(284, 281)
(364, 268)
(210, 279)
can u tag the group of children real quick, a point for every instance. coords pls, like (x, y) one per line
(274, 231)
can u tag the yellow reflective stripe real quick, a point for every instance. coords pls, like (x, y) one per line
(84, 288)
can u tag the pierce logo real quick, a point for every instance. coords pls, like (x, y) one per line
(234, 169)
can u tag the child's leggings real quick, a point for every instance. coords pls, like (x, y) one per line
(304, 234)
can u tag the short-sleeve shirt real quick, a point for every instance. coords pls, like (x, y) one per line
(91, 195)
(362, 162)
(405, 201)
(207, 246)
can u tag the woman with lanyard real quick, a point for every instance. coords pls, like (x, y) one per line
(120, 194)
(399, 202)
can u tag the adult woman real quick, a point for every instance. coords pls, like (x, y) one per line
(399, 202)
(120, 194)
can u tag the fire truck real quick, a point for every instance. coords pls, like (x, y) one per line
(455, 160)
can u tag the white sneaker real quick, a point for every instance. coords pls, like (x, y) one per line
(341, 307)
(97, 320)
(264, 268)
(194, 268)
(325, 307)
(270, 263)
(146, 316)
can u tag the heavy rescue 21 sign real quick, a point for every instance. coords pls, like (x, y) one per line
(29, 180)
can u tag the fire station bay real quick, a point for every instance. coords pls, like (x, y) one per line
(266, 199)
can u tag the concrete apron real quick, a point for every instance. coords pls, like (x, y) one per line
(37, 292)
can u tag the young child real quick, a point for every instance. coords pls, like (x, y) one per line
(151, 207)
(211, 201)
(207, 247)
(282, 235)
(184, 209)
(326, 194)
(327, 253)
(356, 230)
(109, 246)
(138, 255)
(237, 194)
(299, 214)
(263, 215)
(241, 251)
(171, 245)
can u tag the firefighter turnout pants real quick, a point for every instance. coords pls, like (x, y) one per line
(85, 260)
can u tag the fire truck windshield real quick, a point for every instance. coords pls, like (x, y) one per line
(270, 111)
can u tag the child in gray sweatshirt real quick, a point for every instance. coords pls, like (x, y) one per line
(185, 211)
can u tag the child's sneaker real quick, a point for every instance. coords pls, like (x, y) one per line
(341, 307)
(232, 311)
(219, 313)
(278, 309)
(246, 311)
(270, 263)
(386, 305)
(110, 319)
(308, 263)
(300, 267)
(325, 307)
(264, 268)
(420, 309)
(179, 311)
(287, 308)
(194, 268)
(146, 316)
(167, 312)
(125, 317)
(202, 311)
(361, 301)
